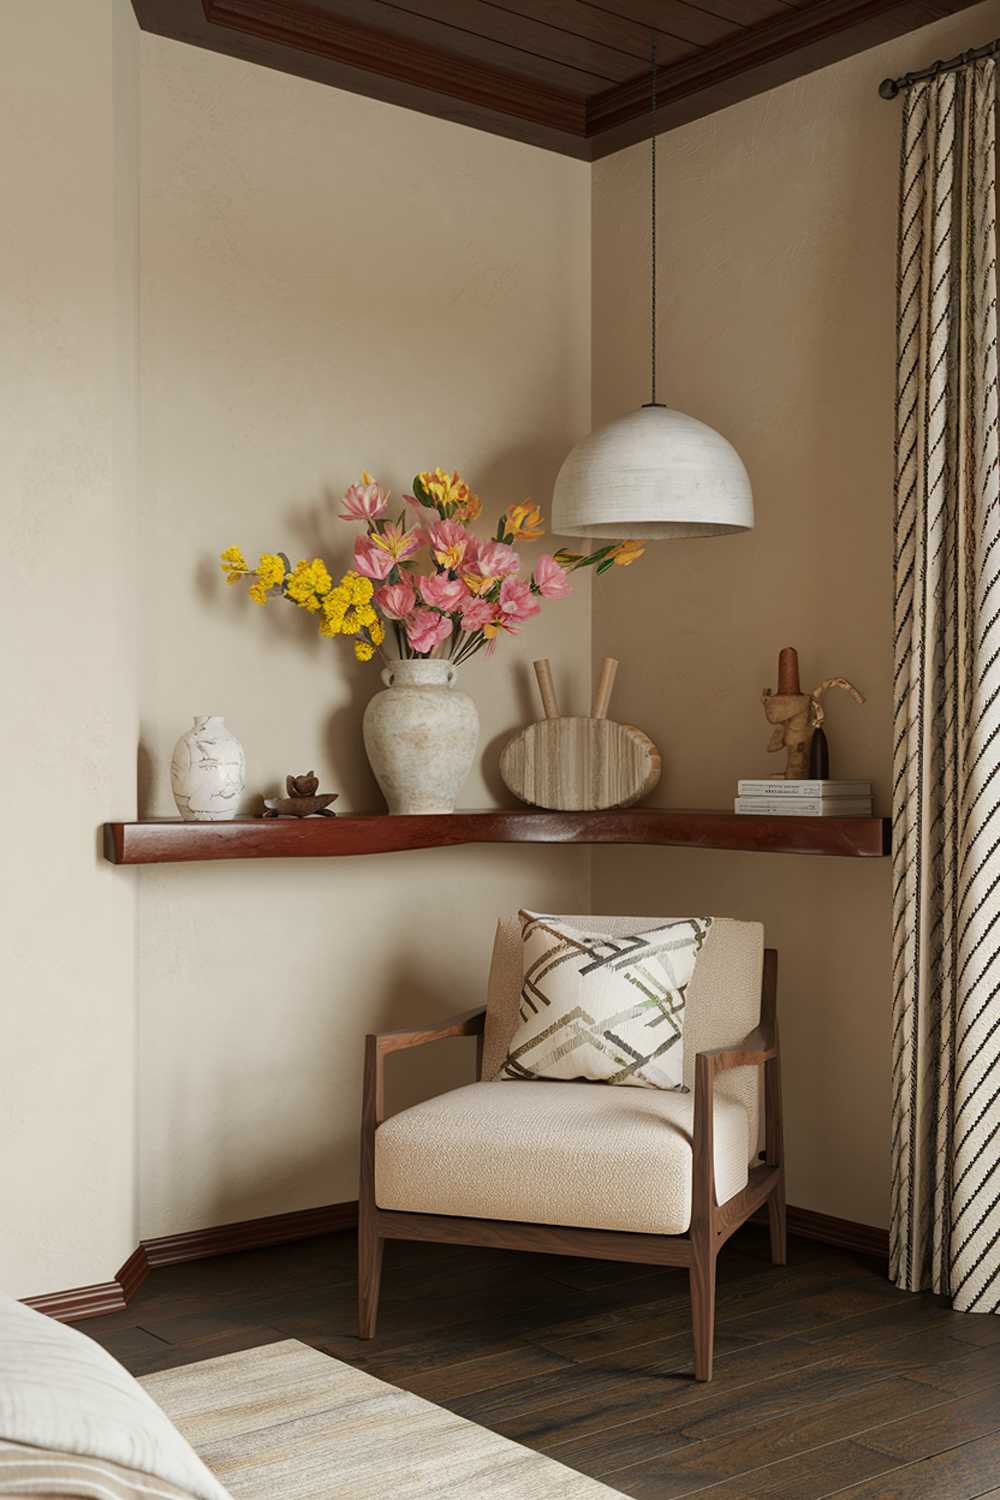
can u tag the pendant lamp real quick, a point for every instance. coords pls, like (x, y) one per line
(655, 473)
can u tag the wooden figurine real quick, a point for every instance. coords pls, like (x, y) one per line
(797, 715)
(579, 764)
(302, 801)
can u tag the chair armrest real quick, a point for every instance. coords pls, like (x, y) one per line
(467, 1023)
(758, 1046)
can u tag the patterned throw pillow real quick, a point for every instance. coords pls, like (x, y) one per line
(608, 1009)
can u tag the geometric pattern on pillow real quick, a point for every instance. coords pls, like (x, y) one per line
(603, 1008)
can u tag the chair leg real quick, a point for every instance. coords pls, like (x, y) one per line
(370, 1247)
(702, 1277)
(776, 1220)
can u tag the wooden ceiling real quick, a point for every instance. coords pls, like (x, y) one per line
(569, 75)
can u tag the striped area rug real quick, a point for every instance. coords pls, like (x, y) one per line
(285, 1422)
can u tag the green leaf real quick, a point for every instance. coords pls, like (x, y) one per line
(603, 567)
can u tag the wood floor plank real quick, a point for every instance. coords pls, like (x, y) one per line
(962, 1473)
(828, 1381)
(939, 1366)
(890, 1424)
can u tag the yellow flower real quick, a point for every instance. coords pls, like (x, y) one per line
(450, 492)
(233, 564)
(329, 626)
(477, 584)
(363, 651)
(308, 583)
(470, 510)
(271, 570)
(377, 632)
(351, 622)
(361, 589)
(627, 553)
(259, 592)
(524, 521)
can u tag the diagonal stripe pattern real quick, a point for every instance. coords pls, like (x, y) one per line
(609, 1009)
(945, 1210)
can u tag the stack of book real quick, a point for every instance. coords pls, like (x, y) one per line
(805, 799)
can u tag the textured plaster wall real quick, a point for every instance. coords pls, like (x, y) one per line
(328, 283)
(68, 391)
(777, 229)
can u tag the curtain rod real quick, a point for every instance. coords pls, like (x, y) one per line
(890, 87)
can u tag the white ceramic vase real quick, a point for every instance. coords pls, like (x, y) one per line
(421, 736)
(208, 771)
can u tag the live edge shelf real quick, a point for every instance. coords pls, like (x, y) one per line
(170, 841)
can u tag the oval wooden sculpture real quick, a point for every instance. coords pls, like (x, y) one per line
(577, 764)
(580, 765)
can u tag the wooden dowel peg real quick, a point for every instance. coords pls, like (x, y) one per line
(546, 687)
(605, 684)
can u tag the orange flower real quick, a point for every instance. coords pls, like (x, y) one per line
(524, 521)
(627, 553)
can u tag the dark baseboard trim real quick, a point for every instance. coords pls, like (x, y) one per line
(249, 1234)
(195, 1244)
(81, 1302)
(281, 1229)
(845, 1234)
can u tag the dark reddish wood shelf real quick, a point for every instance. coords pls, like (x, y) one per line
(169, 840)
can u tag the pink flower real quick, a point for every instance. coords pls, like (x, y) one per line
(425, 630)
(373, 562)
(395, 600)
(443, 592)
(517, 602)
(552, 580)
(449, 541)
(476, 613)
(399, 544)
(365, 501)
(493, 559)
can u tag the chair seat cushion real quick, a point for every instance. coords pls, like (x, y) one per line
(579, 1154)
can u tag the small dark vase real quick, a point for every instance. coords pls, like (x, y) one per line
(819, 757)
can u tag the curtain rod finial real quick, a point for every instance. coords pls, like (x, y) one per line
(888, 88)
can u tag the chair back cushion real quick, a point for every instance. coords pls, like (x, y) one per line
(723, 998)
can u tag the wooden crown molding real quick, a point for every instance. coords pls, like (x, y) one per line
(298, 37)
(407, 61)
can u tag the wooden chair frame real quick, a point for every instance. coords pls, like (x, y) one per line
(711, 1225)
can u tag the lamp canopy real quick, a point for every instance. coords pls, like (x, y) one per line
(652, 474)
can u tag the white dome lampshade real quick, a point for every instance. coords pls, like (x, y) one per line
(651, 475)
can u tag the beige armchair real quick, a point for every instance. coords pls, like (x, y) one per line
(658, 1177)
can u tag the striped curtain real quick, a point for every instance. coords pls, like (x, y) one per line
(945, 1230)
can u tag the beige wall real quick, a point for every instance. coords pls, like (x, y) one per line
(777, 239)
(68, 270)
(328, 284)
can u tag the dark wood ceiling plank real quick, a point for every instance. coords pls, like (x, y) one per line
(516, 41)
(689, 23)
(599, 24)
(425, 22)
(746, 12)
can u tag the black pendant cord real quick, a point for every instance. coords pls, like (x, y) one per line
(889, 88)
(652, 240)
(652, 247)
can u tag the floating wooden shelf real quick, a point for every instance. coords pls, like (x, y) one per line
(169, 840)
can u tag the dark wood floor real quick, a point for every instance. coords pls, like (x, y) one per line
(828, 1381)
